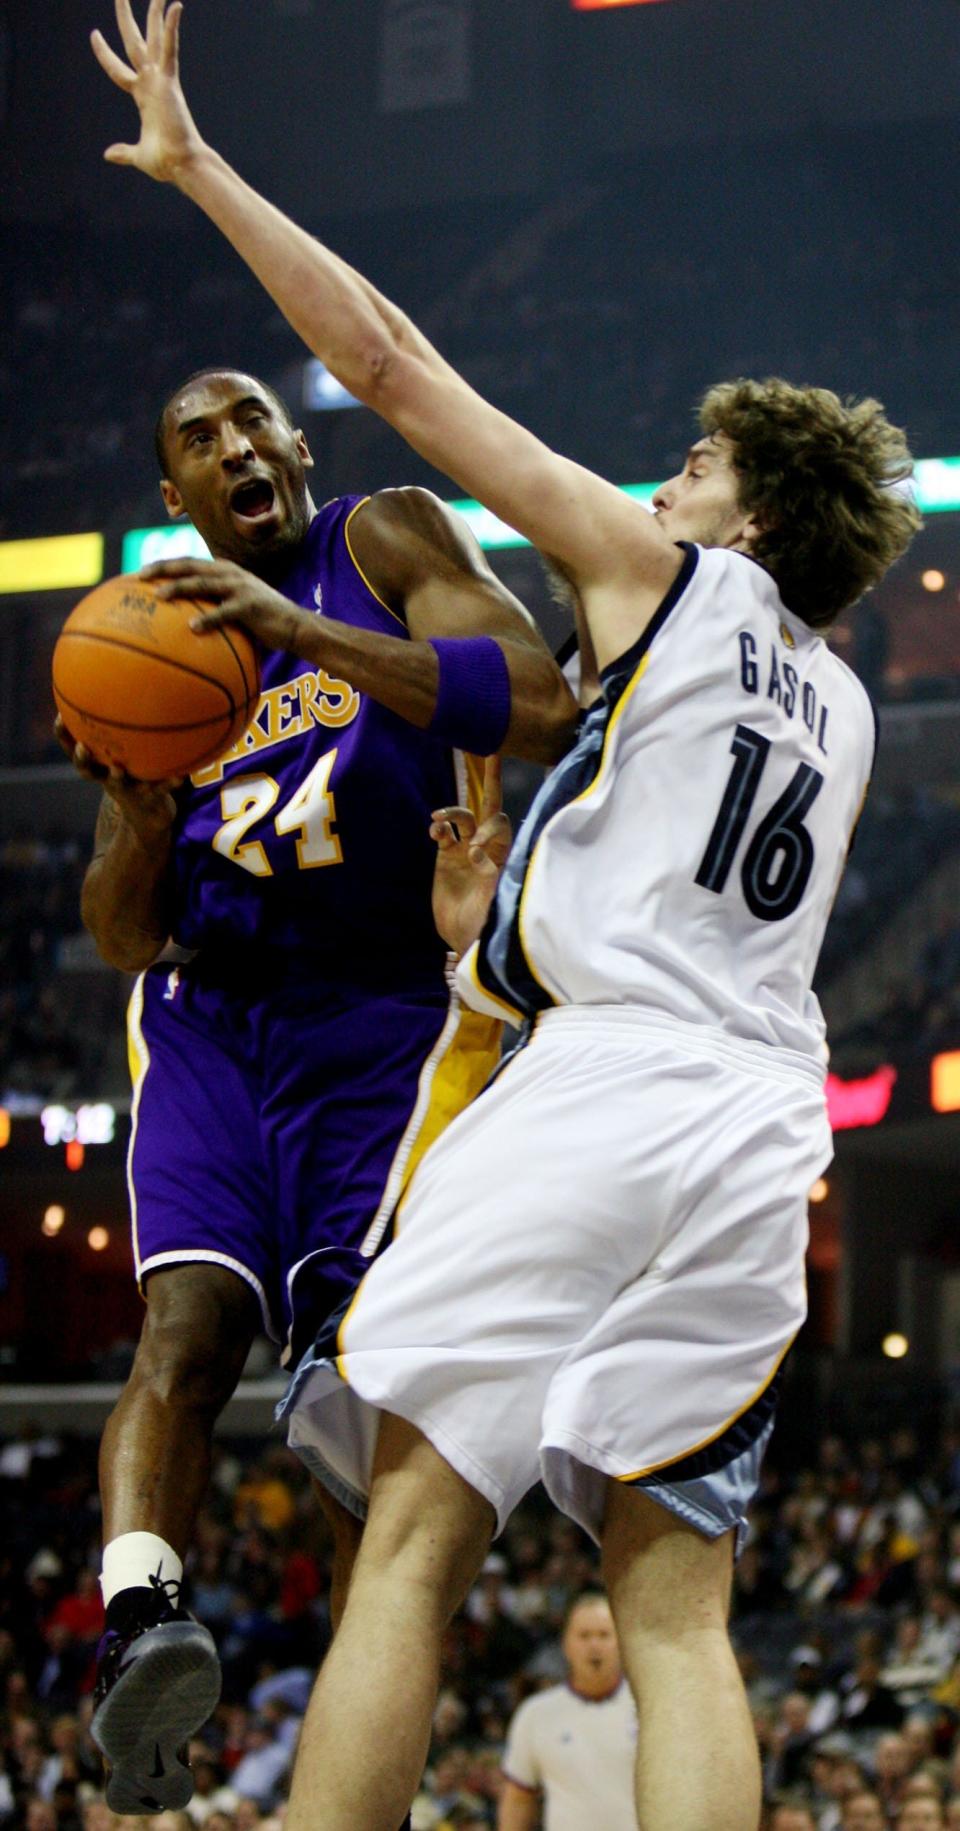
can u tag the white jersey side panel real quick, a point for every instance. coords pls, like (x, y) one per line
(694, 872)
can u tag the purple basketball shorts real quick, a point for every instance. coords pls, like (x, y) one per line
(272, 1130)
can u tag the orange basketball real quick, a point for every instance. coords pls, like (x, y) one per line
(143, 690)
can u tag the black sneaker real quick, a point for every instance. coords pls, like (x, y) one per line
(158, 1680)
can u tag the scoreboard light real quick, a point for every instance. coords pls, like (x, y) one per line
(179, 540)
(60, 562)
(945, 1082)
(861, 1102)
(94, 1124)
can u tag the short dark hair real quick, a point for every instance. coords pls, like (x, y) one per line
(586, 1598)
(820, 476)
(198, 375)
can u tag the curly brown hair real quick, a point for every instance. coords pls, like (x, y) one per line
(816, 473)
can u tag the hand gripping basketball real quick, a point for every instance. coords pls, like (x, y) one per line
(142, 690)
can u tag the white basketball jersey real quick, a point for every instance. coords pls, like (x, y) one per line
(684, 857)
(580, 1753)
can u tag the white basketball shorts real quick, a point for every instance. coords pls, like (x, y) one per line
(596, 1273)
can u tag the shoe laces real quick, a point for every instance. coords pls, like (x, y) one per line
(167, 1587)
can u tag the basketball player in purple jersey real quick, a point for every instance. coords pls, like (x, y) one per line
(298, 1053)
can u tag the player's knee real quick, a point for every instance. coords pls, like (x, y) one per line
(196, 1335)
(427, 1526)
(663, 1577)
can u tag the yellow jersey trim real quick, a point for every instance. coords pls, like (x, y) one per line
(584, 795)
(138, 1058)
(459, 1065)
(464, 1070)
(359, 568)
(704, 1444)
(341, 1349)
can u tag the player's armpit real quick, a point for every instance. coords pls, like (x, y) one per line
(420, 556)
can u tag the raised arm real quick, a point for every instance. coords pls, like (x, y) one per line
(620, 560)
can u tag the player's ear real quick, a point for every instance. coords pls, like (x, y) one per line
(303, 450)
(752, 529)
(172, 499)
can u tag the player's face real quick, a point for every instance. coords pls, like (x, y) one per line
(591, 1650)
(700, 503)
(238, 469)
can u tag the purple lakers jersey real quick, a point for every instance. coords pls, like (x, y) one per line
(310, 838)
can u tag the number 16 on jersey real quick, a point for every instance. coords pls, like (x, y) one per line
(779, 858)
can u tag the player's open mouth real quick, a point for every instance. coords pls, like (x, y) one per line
(253, 500)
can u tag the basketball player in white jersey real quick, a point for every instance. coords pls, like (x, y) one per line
(599, 1268)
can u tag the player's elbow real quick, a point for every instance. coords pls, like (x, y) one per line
(394, 380)
(126, 953)
(543, 720)
(129, 950)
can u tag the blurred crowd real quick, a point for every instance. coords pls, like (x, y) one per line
(846, 1617)
(61, 1017)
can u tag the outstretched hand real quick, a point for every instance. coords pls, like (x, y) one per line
(168, 133)
(470, 858)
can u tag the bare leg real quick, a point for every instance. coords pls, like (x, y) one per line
(669, 1589)
(367, 1730)
(155, 1451)
(345, 1530)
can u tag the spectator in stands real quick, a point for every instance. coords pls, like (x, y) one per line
(921, 1815)
(790, 1744)
(939, 1639)
(863, 1812)
(264, 1764)
(67, 1760)
(792, 1815)
(907, 1672)
(891, 1766)
(814, 1574)
(824, 1701)
(868, 1703)
(834, 1777)
(917, 1731)
(81, 1610)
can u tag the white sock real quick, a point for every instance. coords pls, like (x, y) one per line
(132, 1559)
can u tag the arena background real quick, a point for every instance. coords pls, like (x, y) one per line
(596, 211)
